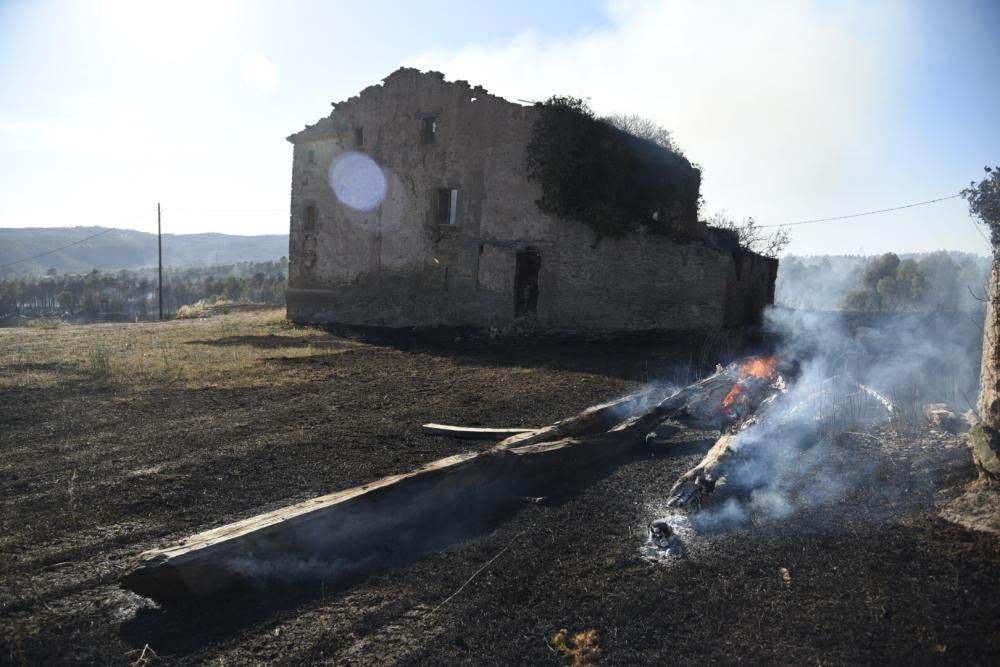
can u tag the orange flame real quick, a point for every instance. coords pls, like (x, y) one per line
(734, 393)
(761, 367)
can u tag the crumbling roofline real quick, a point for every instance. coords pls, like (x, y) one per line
(476, 91)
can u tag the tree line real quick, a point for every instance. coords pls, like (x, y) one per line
(935, 282)
(101, 296)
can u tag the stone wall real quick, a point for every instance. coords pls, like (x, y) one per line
(396, 266)
(749, 287)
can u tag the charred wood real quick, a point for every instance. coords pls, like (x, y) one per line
(413, 512)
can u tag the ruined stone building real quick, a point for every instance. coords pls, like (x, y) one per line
(411, 206)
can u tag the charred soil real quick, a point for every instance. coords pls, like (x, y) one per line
(121, 438)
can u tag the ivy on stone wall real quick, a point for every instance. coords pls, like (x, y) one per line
(605, 178)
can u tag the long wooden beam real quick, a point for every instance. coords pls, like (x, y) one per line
(344, 533)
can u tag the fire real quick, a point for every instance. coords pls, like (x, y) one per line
(734, 394)
(760, 367)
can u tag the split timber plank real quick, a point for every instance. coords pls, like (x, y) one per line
(218, 559)
(598, 418)
(472, 432)
(353, 527)
(356, 525)
(592, 420)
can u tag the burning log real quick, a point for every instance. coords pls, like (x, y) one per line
(759, 380)
(353, 530)
(701, 480)
(696, 405)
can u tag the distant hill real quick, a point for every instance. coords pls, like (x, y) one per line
(116, 249)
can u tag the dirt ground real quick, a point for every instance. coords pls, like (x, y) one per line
(120, 438)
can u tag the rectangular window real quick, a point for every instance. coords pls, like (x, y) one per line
(359, 136)
(430, 130)
(309, 218)
(447, 206)
(312, 156)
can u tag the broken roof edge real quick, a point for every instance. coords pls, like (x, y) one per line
(323, 126)
(327, 126)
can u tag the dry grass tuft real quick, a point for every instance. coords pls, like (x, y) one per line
(581, 649)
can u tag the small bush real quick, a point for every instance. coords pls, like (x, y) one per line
(581, 649)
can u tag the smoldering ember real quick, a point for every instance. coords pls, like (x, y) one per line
(524, 406)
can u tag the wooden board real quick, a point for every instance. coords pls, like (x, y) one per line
(345, 532)
(354, 527)
(326, 526)
(473, 432)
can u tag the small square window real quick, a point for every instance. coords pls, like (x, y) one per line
(429, 133)
(359, 136)
(447, 206)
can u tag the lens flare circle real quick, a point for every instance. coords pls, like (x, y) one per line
(358, 181)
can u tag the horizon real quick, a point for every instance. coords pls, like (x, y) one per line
(794, 112)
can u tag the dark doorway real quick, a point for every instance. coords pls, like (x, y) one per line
(526, 281)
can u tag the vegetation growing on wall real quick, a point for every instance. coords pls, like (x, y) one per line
(644, 128)
(751, 237)
(984, 202)
(613, 182)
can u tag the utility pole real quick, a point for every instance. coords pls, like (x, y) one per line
(159, 253)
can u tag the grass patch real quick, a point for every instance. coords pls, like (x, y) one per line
(98, 364)
(220, 350)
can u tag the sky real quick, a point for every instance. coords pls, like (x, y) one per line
(794, 110)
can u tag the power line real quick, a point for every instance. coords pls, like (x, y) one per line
(980, 231)
(49, 252)
(858, 215)
(226, 210)
(269, 210)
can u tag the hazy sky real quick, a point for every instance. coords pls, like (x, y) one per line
(795, 110)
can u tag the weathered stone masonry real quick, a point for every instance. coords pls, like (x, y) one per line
(403, 264)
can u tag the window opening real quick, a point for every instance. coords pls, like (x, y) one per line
(447, 206)
(310, 218)
(359, 136)
(430, 130)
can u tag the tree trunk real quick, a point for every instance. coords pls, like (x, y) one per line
(984, 437)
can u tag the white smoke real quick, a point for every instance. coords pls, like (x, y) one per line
(794, 458)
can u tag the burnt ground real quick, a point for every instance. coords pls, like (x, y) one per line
(90, 476)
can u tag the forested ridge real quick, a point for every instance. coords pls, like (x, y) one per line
(126, 295)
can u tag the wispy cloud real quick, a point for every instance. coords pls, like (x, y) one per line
(782, 102)
(259, 72)
(95, 125)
